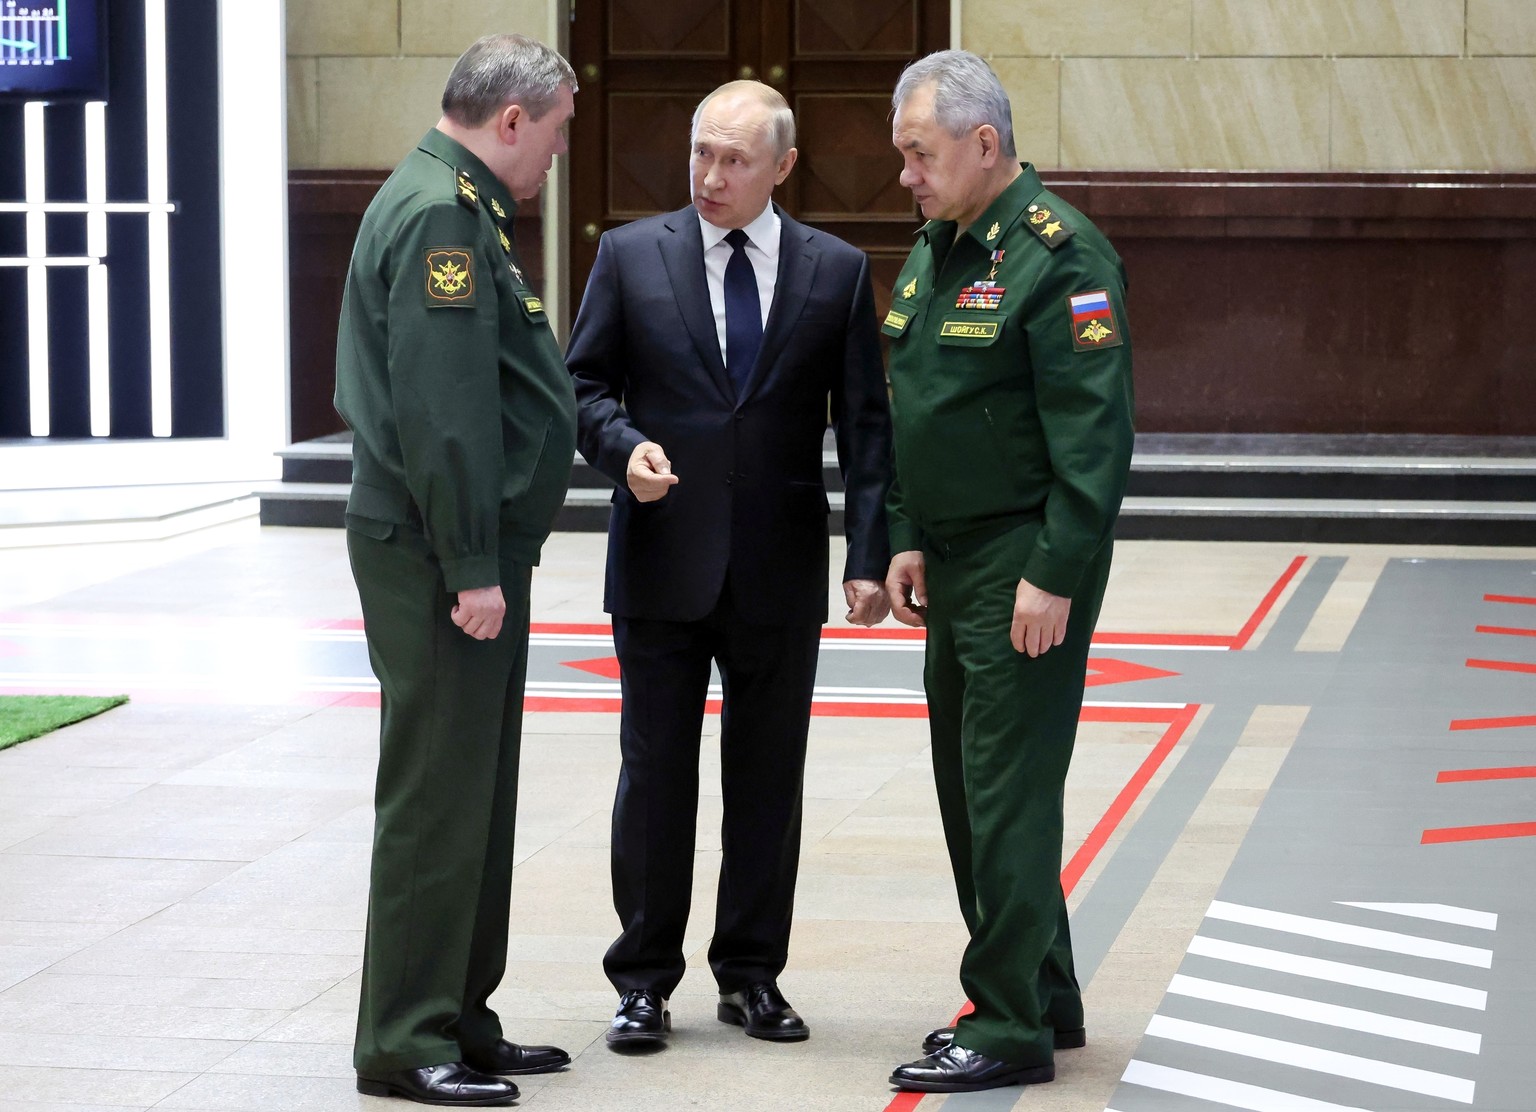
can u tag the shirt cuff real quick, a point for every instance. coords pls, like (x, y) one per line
(470, 572)
(1053, 575)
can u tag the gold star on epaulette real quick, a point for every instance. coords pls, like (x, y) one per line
(1053, 232)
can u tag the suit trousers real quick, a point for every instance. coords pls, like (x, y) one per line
(767, 675)
(1003, 726)
(445, 806)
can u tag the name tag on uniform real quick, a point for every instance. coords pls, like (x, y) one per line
(893, 319)
(533, 304)
(974, 330)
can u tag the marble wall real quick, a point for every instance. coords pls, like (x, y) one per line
(364, 76)
(1302, 85)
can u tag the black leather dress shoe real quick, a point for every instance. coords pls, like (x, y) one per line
(641, 1021)
(506, 1057)
(958, 1070)
(762, 1010)
(940, 1037)
(450, 1083)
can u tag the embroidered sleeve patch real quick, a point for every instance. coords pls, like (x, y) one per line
(1093, 321)
(450, 277)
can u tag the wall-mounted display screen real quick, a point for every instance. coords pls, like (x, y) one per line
(53, 50)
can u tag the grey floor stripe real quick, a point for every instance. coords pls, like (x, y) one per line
(1293, 620)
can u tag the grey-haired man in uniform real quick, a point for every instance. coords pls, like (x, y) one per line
(464, 428)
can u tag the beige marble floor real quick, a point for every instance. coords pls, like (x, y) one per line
(182, 885)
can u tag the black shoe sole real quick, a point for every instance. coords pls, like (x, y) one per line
(385, 1089)
(1030, 1075)
(553, 1067)
(725, 1013)
(641, 1040)
(1075, 1039)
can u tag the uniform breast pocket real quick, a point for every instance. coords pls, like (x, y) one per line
(899, 320)
(961, 329)
(532, 306)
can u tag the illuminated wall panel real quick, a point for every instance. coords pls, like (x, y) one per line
(111, 315)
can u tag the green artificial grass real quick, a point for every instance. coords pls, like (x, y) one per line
(23, 717)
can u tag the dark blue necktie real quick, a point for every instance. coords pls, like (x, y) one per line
(743, 312)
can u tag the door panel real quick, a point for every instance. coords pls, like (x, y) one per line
(643, 68)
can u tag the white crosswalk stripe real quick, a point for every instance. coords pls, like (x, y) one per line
(1214, 1023)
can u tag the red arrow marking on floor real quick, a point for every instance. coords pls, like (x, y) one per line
(1494, 723)
(1519, 600)
(1479, 833)
(1461, 775)
(1105, 670)
(1502, 665)
(605, 666)
(1507, 631)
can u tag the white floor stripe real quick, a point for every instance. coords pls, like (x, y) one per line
(1219, 1090)
(1327, 929)
(1353, 1019)
(1406, 1078)
(1440, 913)
(1340, 973)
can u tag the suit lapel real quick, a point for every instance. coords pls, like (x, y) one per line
(797, 269)
(682, 253)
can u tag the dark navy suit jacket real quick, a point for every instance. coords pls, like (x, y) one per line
(750, 495)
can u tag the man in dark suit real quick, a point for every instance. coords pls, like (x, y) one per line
(708, 346)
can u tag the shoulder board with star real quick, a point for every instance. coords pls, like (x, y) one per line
(1048, 225)
(466, 190)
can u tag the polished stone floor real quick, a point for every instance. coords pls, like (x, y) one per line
(183, 880)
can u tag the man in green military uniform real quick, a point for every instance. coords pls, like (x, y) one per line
(464, 429)
(1011, 404)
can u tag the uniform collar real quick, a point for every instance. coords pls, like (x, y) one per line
(1002, 212)
(458, 158)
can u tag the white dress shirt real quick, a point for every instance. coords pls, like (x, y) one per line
(762, 253)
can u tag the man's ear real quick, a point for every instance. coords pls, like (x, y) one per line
(786, 164)
(508, 120)
(991, 146)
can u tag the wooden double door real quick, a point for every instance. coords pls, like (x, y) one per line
(644, 66)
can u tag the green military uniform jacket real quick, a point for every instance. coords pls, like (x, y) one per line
(1011, 383)
(447, 373)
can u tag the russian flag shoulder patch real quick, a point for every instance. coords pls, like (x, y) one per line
(1093, 321)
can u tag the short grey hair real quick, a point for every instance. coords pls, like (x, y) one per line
(966, 94)
(781, 121)
(498, 70)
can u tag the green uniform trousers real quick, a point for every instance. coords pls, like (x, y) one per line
(445, 806)
(1003, 726)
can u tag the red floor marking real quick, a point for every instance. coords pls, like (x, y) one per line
(1104, 670)
(1479, 833)
(1518, 600)
(604, 628)
(1461, 775)
(1494, 723)
(1267, 603)
(1507, 631)
(1128, 640)
(880, 633)
(605, 666)
(1502, 665)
